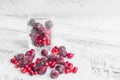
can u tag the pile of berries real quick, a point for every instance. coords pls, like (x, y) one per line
(55, 60)
(40, 33)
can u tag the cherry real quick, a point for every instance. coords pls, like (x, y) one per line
(70, 55)
(54, 74)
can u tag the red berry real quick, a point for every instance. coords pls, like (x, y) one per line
(54, 74)
(67, 70)
(55, 50)
(70, 65)
(52, 65)
(32, 65)
(15, 62)
(29, 69)
(16, 66)
(70, 55)
(75, 69)
(26, 67)
(12, 60)
(23, 70)
(37, 60)
(44, 52)
(32, 50)
(35, 72)
(31, 73)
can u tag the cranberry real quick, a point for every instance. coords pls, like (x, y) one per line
(70, 55)
(63, 53)
(32, 50)
(48, 24)
(35, 72)
(75, 69)
(26, 67)
(44, 52)
(19, 56)
(15, 62)
(62, 48)
(52, 57)
(28, 59)
(31, 22)
(16, 66)
(42, 62)
(55, 50)
(60, 60)
(66, 64)
(67, 70)
(37, 60)
(20, 63)
(12, 60)
(52, 65)
(54, 74)
(30, 53)
(70, 65)
(23, 70)
(32, 65)
(31, 73)
(42, 70)
(60, 68)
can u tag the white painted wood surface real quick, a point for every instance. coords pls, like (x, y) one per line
(91, 29)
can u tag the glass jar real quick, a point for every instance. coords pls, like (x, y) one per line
(40, 32)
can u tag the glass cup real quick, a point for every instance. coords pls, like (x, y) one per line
(40, 32)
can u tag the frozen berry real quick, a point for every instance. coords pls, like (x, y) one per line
(42, 62)
(52, 57)
(19, 56)
(62, 48)
(12, 60)
(48, 24)
(60, 68)
(67, 71)
(60, 60)
(63, 53)
(44, 52)
(52, 65)
(23, 70)
(31, 22)
(54, 74)
(42, 70)
(75, 69)
(70, 55)
(55, 50)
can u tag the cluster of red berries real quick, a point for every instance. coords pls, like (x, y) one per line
(55, 61)
(40, 33)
